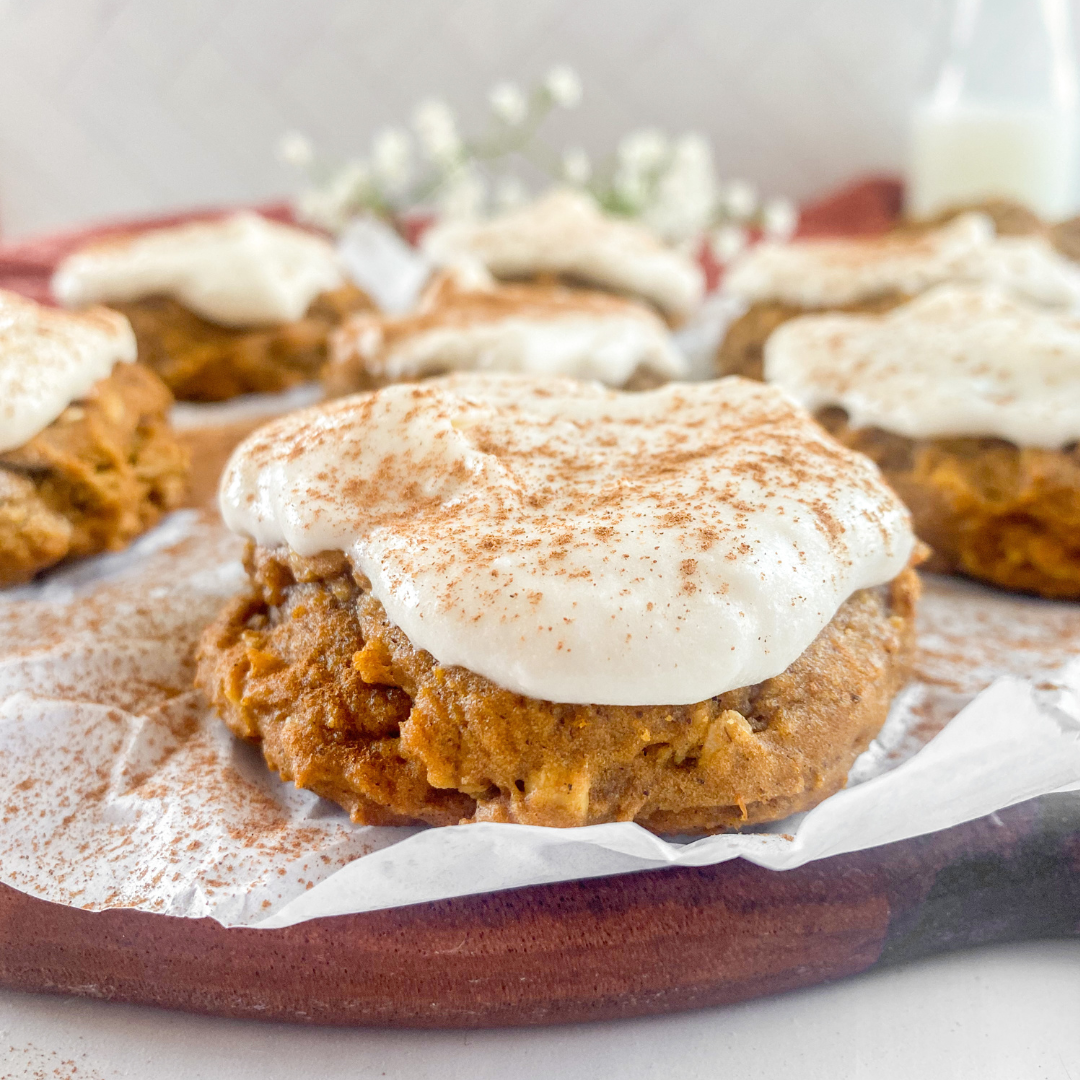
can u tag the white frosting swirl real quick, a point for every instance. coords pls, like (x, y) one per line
(566, 233)
(959, 360)
(835, 273)
(240, 271)
(578, 544)
(50, 358)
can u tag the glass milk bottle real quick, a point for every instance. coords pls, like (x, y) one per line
(1001, 121)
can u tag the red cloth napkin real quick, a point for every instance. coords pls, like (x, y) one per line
(865, 208)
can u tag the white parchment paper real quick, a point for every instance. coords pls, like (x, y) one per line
(121, 789)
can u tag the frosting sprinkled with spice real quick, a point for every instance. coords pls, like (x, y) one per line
(566, 233)
(834, 273)
(959, 360)
(529, 329)
(578, 544)
(50, 358)
(240, 271)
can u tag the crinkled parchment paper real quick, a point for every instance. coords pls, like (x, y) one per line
(120, 789)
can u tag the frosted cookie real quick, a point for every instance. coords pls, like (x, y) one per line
(781, 281)
(219, 308)
(527, 329)
(87, 459)
(1012, 219)
(566, 236)
(969, 401)
(489, 598)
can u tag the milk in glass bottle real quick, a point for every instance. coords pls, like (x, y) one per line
(1001, 120)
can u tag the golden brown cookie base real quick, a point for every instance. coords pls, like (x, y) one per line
(307, 665)
(201, 361)
(742, 352)
(102, 473)
(988, 508)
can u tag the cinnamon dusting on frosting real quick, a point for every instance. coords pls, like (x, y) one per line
(839, 273)
(565, 233)
(959, 360)
(534, 329)
(540, 532)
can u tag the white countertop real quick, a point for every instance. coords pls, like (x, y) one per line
(1010, 1012)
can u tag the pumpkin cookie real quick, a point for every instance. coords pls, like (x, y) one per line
(87, 458)
(564, 236)
(539, 601)
(530, 329)
(865, 276)
(968, 399)
(223, 308)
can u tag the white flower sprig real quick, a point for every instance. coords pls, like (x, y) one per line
(671, 185)
(668, 184)
(508, 103)
(434, 166)
(564, 86)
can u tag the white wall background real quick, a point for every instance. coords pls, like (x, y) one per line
(110, 107)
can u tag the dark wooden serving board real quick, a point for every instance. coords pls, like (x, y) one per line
(631, 945)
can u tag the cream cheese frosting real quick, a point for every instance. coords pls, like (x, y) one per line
(243, 270)
(958, 360)
(835, 273)
(566, 233)
(526, 329)
(50, 358)
(609, 348)
(578, 544)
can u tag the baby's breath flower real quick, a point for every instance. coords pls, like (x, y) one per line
(667, 185)
(313, 206)
(576, 167)
(643, 151)
(463, 193)
(779, 219)
(437, 131)
(740, 199)
(391, 154)
(685, 195)
(508, 103)
(693, 149)
(352, 178)
(727, 242)
(294, 148)
(564, 85)
(332, 205)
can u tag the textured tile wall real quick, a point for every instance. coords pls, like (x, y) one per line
(118, 106)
